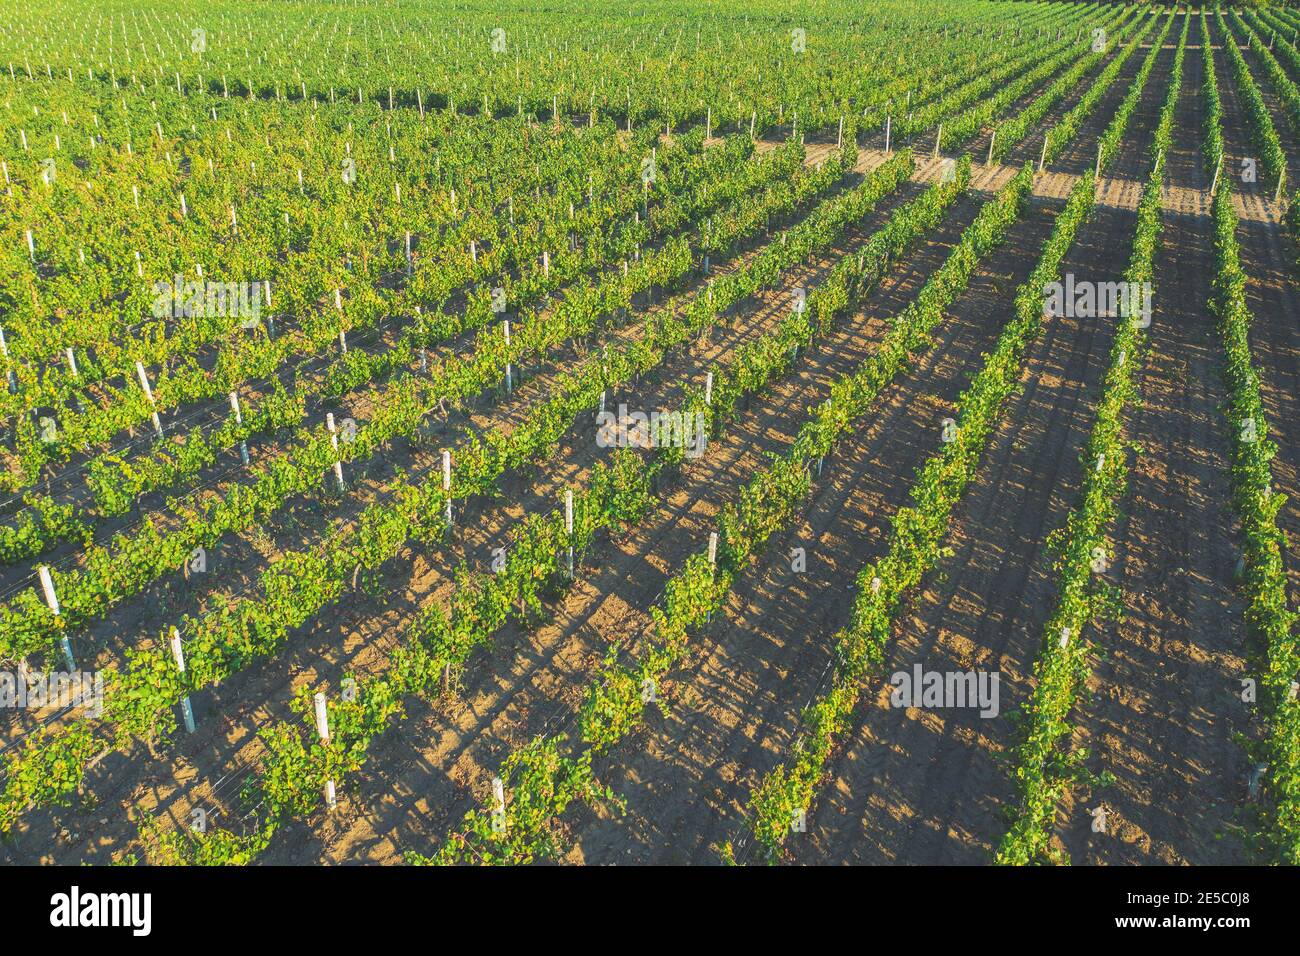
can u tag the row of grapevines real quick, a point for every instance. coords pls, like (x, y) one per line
(881, 587)
(618, 494)
(1212, 145)
(1284, 87)
(973, 120)
(1042, 772)
(925, 114)
(1262, 133)
(1064, 131)
(1009, 132)
(138, 701)
(117, 483)
(1269, 615)
(109, 574)
(40, 527)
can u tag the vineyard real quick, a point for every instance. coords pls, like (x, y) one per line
(673, 433)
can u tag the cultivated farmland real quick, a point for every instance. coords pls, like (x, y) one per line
(688, 432)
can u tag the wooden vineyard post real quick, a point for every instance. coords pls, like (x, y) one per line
(73, 373)
(52, 602)
(4, 353)
(1281, 179)
(148, 394)
(713, 564)
(424, 351)
(178, 654)
(505, 324)
(498, 804)
(992, 139)
(938, 137)
(323, 731)
(889, 120)
(446, 484)
(568, 525)
(1218, 168)
(239, 420)
(334, 443)
(1042, 157)
(270, 319)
